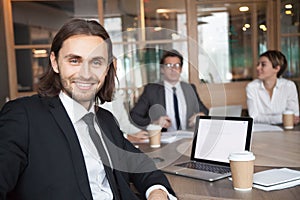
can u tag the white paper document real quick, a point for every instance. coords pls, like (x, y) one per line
(265, 127)
(172, 136)
(276, 179)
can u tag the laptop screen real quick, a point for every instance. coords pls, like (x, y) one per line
(216, 137)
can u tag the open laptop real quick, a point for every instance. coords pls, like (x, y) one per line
(230, 110)
(214, 139)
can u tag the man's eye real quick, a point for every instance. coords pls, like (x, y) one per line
(96, 63)
(74, 61)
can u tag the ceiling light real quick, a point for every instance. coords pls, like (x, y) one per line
(244, 8)
(288, 12)
(247, 25)
(39, 51)
(288, 6)
(263, 27)
(162, 10)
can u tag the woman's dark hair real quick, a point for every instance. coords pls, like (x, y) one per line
(171, 53)
(277, 59)
(50, 83)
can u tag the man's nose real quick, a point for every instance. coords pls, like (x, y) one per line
(85, 69)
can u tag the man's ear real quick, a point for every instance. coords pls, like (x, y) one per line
(162, 70)
(54, 62)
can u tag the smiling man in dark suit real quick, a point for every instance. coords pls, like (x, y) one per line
(47, 141)
(172, 104)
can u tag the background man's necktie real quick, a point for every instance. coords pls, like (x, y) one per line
(176, 108)
(89, 120)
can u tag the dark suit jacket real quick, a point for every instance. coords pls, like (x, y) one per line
(41, 158)
(151, 104)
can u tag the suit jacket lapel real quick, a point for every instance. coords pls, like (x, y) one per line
(162, 99)
(64, 122)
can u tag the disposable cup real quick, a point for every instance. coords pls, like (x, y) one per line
(154, 135)
(288, 119)
(242, 168)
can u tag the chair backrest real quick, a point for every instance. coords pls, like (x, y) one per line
(222, 94)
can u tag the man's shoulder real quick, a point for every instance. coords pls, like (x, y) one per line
(34, 101)
(153, 86)
(25, 100)
(186, 85)
(29, 104)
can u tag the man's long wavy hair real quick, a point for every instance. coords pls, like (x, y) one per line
(50, 84)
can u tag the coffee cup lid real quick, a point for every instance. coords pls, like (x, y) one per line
(241, 156)
(288, 112)
(153, 127)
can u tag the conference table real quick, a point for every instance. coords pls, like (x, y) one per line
(272, 149)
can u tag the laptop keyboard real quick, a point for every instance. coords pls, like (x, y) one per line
(205, 167)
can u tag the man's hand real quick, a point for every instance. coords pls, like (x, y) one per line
(192, 119)
(158, 194)
(296, 120)
(138, 137)
(163, 121)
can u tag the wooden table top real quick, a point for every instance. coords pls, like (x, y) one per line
(272, 149)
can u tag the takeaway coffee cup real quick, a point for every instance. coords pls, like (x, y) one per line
(242, 168)
(288, 119)
(154, 135)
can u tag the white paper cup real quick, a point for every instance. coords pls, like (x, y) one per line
(288, 119)
(242, 168)
(154, 135)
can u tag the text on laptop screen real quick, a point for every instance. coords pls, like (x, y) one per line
(217, 138)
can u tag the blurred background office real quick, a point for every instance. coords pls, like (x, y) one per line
(220, 41)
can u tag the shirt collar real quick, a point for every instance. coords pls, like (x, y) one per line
(169, 86)
(75, 110)
(278, 83)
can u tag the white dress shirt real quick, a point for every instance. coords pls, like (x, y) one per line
(170, 105)
(98, 182)
(268, 110)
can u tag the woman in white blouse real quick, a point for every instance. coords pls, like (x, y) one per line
(269, 95)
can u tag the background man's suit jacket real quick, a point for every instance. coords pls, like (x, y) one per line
(41, 158)
(151, 104)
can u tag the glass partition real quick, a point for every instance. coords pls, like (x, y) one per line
(140, 31)
(290, 36)
(226, 34)
(35, 24)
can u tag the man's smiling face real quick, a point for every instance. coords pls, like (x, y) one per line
(82, 64)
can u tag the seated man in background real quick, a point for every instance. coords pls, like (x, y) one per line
(172, 104)
(269, 95)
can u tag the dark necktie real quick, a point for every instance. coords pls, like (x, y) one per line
(89, 120)
(175, 100)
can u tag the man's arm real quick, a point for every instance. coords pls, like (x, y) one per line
(13, 145)
(202, 107)
(140, 112)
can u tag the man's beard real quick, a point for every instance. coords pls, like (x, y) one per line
(78, 95)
